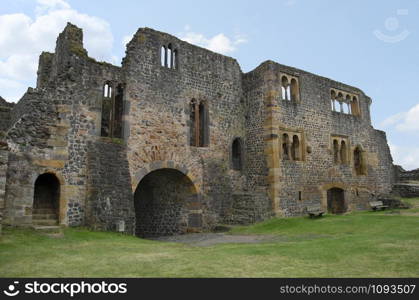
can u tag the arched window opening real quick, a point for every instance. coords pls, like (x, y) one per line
(118, 111)
(112, 111)
(344, 102)
(345, 108)
(335, 151)
(359, 162)
(163, 56)
(333, 100)
(294, 90)
(107, 90)
(203, 124)
(169, 56)
(340, 101)
(285, 147)
(237, 154)
(174, 60)
(106, 110)
(295, 148)
(285, 88)
(355, 106)
(343, 153)
(193, 124)
(199, 124)
(283, 93)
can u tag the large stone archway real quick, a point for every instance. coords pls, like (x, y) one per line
(166, 203)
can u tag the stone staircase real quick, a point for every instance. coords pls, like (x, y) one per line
(45, 220)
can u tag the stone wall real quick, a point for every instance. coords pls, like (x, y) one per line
(5, 113)
(408, 190)
(109, 195)
(401, 175)
(4, 157)
(249, 207)
(159, 115)
(305, 182)
(51, 126)
(407, 182)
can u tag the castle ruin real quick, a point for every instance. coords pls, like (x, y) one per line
(178, 139)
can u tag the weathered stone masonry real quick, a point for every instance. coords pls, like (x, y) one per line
(181, 134)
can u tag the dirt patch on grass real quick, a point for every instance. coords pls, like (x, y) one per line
(210, 239)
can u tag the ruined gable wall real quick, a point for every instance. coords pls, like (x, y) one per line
(52, 127)
(313, 118)
(159, 113)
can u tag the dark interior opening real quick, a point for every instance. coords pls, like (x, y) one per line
(336, 201)
(163, 202)
(47, 193)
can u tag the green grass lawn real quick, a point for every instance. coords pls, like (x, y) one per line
(361, 244)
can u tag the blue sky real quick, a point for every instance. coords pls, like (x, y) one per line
(373, 45)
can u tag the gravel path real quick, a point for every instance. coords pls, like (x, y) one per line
(209, 239)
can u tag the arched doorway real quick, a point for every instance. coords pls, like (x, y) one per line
(166, 203)
(46, 200)
(336, 201)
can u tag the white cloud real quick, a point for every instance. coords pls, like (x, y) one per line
(19, 66)
(219, 43)
(22, 38)
(12, 90)
(126, 39)
(407, 157)
(290, 2)
(404, 121)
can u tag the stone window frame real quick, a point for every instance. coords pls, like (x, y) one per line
(109, 92)
(199, 135)
(300, 155)
(342, 98)
(234, 167)
(340, 154)
(362, 168)
(289, 87)
(169, 56)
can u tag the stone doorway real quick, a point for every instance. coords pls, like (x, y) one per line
(336, 201)
(166, 203)
(46, 200)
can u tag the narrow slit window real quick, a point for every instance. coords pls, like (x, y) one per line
(169, 56)
(343, 153)
(199, 136)
(174, 60)
(237, 154)
(295, 148)
(112, 111)
(359, 162)
(163, 56)
(285, 88)
(335, 151)
(333, 100)
(285, 147)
